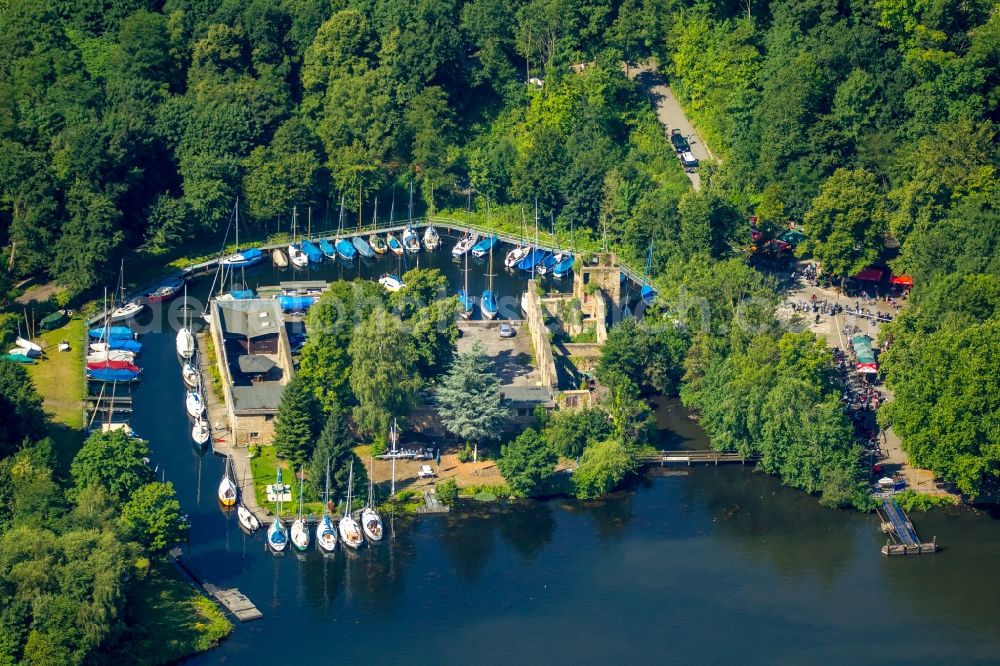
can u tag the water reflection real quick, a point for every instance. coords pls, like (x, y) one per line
(528, 528)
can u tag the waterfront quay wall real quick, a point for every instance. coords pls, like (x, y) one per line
(540, 338)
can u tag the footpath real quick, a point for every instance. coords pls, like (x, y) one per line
(832, 327)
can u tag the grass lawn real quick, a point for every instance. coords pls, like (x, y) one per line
(265, 468)
(59, 380)
(169, 619)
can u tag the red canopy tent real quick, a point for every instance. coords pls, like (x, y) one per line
(901, 280)
(870, 275)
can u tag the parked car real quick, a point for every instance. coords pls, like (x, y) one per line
(681, 144)
(506, 331)
(688, 160)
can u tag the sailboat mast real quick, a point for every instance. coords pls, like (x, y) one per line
(533, 262)
(375, 214)
(409, 214)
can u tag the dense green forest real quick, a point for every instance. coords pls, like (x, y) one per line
(872, 122)
(82, 549)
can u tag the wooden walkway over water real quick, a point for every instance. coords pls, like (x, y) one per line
(903, 539)
(691, 457)
(231, 599)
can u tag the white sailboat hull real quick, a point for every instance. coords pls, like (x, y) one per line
(297, 257)
(371, 523)
(27, 344)
(195, 405)
(200, 433)
(326, 538)
(126, 311)
(227, 492)
(300, 534)
(277, 529)
(247, 520)
(350, 533)
(110, 355)
(190, 375)
(185, 343)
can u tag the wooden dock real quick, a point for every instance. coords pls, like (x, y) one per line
(633, 273)
(903, 539)
(231, 599)
(691, 457)
(235, 602)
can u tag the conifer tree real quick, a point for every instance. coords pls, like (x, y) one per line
(295, 429)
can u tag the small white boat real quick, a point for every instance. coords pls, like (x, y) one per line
(227, 489)
(431, 238)
(63, 346)
(247, 520)
(297, 257)
(516, 255)
(184, 343)
(524, 302)
(279, 258)
(371, 523)
(200, 432)
(127, 311)
(300, 534)
(190, 375)
(391, 282)
(110, 355)
(350, 531)
(28, 345)
(464, 244)
(411, 241)
(195, 404)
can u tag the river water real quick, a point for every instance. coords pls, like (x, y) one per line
(704, 564)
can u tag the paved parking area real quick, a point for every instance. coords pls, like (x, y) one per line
(512, 356)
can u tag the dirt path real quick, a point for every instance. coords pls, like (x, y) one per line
(670, 113)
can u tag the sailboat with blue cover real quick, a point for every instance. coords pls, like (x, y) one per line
(277, 533)
(465, 301)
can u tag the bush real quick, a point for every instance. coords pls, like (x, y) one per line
(465, 454)
(911, 500)
(379, 447)
(447, 492)
(602, 467)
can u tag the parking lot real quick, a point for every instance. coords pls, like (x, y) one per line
(512, 356)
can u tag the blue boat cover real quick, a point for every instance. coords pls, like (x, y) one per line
(125, 344)
(531, 259)
(242, 294)
(113, 332)
(564, 266)
(296, 303)
(312, 252)
(345, 249)
(112, 375)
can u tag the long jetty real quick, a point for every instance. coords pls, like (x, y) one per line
(903, 539)
(690, 457)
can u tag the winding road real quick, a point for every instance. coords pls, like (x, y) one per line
(670, 113)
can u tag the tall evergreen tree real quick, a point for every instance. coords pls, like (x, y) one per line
(469, 398)
(336, 445)
(295, 427)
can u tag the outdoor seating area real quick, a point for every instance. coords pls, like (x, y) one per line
(408, 454)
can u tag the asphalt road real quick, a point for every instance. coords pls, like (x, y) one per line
(670, 113)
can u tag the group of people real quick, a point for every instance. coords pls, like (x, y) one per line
(862, 399)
